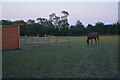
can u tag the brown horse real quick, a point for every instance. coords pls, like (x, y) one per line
(94, 36)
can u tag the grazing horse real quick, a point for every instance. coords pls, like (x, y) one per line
(91, 36)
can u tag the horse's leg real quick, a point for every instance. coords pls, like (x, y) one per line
(98, 39)
(95, 40)
(91, 41)
(88, 41)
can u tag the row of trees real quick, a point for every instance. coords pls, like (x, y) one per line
(59, 26)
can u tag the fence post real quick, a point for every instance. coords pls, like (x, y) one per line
(37, 37)
(56, 38)
(53, 40)
(48, 42)
(32, 39)
(45, 38)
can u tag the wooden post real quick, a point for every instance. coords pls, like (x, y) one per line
(37, 37)
(45, 38)
(32, 40)
(56, 38)
(48, 42)
(53, 40)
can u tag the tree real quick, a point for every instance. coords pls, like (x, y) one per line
(47, 26)
(55, 20)
(78, 23)
(79, 28)
(64, 21)
(59, 22)
(90, 28)
(58, 25)
(99, 27)
(42, 21)
(19, 22)
(72, 30)
(65, 15)
(6, 22)
(118, 27)
(30, 21)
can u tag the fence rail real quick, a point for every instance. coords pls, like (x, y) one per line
(49, 40)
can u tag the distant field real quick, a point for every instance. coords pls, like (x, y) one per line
(59, 61)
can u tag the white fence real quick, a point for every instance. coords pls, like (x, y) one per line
(29, 41)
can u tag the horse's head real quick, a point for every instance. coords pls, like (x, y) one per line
(88, 42)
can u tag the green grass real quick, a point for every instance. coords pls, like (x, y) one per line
(59, 61)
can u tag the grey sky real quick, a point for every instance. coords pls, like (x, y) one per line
(86, 12)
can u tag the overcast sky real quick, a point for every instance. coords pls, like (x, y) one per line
(86, 12)
(59, 0)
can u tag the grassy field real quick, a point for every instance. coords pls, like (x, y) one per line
(59, 61)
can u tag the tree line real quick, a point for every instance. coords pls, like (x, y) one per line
(59, 26)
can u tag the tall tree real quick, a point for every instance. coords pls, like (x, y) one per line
(55, 20)
(79, 28)
(90, 28)
(64, 20)
(99, 27)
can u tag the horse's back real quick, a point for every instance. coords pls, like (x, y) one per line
(93, 35)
